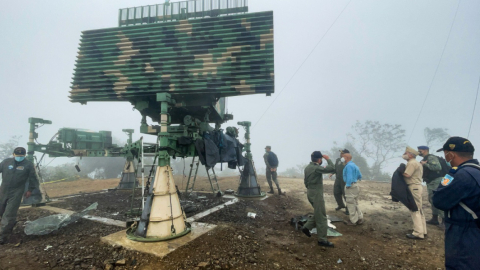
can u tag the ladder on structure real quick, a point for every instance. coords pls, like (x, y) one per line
(140, 168)
(212, 178)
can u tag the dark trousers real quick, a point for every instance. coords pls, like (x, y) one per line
(461, 246)
(271, 175)
(339, 192)
(9, 203)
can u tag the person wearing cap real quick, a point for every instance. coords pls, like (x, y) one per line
(413, 177)
(459, 196)
(339, 185)
(432, 175)
(271, 161)
(351, 175)
(15, 172)
(314, 183)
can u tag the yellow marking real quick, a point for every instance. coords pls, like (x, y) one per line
(184, 26)
(465, 142)
(246, 24)
(149, 68)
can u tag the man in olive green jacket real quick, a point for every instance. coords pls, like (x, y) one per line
(314, 184)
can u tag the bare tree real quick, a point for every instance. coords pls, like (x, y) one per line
(6, 149)
(434, 136)
(380, 142)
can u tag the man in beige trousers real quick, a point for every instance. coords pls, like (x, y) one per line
(413, 177)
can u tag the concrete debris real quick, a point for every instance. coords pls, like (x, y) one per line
(52, 223)
(229, 191)
(251, 215)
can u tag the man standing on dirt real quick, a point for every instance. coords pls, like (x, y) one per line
(459, 195)
(16, 172)
(413, 177)
(314, 184)
(339, 185)
(271, 161)
(432, 175)
(351, 175)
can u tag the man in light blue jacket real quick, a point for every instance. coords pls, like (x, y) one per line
(351, 175)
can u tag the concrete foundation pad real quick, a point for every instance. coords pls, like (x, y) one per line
(159, 249)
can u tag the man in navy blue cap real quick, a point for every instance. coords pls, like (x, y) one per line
(16, 172)
(459, 196)
(432, 175)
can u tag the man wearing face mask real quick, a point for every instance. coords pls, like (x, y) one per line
(16, 172)
(314, 184)
(432, 175)
(459, 196)
(413, 177)
(351, 175)
(339, 185)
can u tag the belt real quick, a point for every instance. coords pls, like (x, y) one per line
(462, 223)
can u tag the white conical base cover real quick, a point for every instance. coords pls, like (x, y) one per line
(166, 205)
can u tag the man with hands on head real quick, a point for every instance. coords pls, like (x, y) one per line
(314, 183)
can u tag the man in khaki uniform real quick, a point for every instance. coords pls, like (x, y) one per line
(314, 184)
(413, 177)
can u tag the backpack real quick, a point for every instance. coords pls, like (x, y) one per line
(429, 176)
(272, 159)
(445, 167)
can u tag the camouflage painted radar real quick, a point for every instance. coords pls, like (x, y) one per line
(225, 56)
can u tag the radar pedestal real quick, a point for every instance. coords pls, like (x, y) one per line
(162, 216)
(248, 187)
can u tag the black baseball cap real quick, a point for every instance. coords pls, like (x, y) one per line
(344, 151)
(457, 144)
(317, 154)
(20, 151)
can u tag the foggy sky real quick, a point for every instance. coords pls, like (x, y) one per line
(375, 63)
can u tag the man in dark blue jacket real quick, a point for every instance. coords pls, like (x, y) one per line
(459, 196)
(16, 172)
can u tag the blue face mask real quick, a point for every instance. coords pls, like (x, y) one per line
(19, 159)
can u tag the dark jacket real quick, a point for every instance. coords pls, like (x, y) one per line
(16, 174)
(400, 191)
(462, 234)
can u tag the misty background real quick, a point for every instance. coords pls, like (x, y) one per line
(375, 63)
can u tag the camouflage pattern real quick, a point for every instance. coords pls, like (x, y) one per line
(222, 56)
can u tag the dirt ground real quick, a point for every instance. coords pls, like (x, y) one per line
(65, 188)
(239, 242)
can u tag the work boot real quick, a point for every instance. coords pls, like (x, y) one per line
(349, 223)
(280, 192)
(340, 207)
(326, 243)
(306, 232)
(271, 191)
(360, 221)
(433, 221)
(411, 236)
(346, 212)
